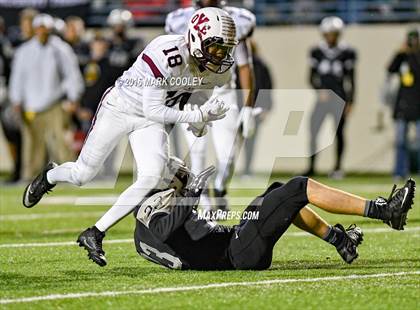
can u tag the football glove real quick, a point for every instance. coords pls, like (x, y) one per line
(247, 122)
(199, 129)
(213, 110)
(199, 182)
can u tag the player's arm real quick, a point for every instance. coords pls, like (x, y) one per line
(154, 108)
(165, 220)
(246, 77)
(163, 225)
(314, 79)
(349, 71)
(394, 66)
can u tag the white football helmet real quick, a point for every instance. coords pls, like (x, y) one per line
(212, 38)
(331, 24)
(120, 17)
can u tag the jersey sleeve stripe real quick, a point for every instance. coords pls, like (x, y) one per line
(155, 70)
(96, 113)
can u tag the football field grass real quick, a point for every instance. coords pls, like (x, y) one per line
(42, 267)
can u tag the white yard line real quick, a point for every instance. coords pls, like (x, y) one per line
(116, 241)
(61, 243)
(52, 215)
(80, 200)
(202, 287)
(366, 230)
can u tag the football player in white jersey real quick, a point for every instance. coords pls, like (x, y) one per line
(224, 133)
(147, 96)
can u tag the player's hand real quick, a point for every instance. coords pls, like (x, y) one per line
(70, 107)
(16, 114)
(198, 129)
(247, 122)
(199, 182)
(347, 109)
(213, 110)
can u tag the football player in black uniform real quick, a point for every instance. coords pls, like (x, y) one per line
(123, 50)
(332, 65)
(170, 232)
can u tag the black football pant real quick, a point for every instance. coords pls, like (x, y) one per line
(251, 246)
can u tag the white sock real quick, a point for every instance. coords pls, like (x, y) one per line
(127, 201)
(60, 173)
(75, 173)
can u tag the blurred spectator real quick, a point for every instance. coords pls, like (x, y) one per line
(9, 123)
(44, 72)
(123, 50)
(61, 8)
(263, 105)
(406, 63)
(97, 76)
(59, 27)
(332, 67)
(74, 35)
(25, 31)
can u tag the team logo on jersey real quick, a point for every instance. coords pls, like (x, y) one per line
(200, 19)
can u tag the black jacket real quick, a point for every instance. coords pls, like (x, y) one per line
(407, 65)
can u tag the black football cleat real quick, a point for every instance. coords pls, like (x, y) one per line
(38, 187)
(398, 204)
(353, 237)
(91, 240)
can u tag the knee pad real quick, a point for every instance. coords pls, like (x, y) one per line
(272, 187)
(298, 183)
(82, 174)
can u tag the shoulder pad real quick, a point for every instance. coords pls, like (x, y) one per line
(160, 202)
(177, 21)
(245, 21)
(158, 62)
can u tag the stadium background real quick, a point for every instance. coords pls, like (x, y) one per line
(285, 32)
(41, 264)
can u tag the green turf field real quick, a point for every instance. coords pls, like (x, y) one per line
(38, 258)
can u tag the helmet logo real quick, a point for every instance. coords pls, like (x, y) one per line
(199, 19)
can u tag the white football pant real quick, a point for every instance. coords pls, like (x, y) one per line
(148, 141)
